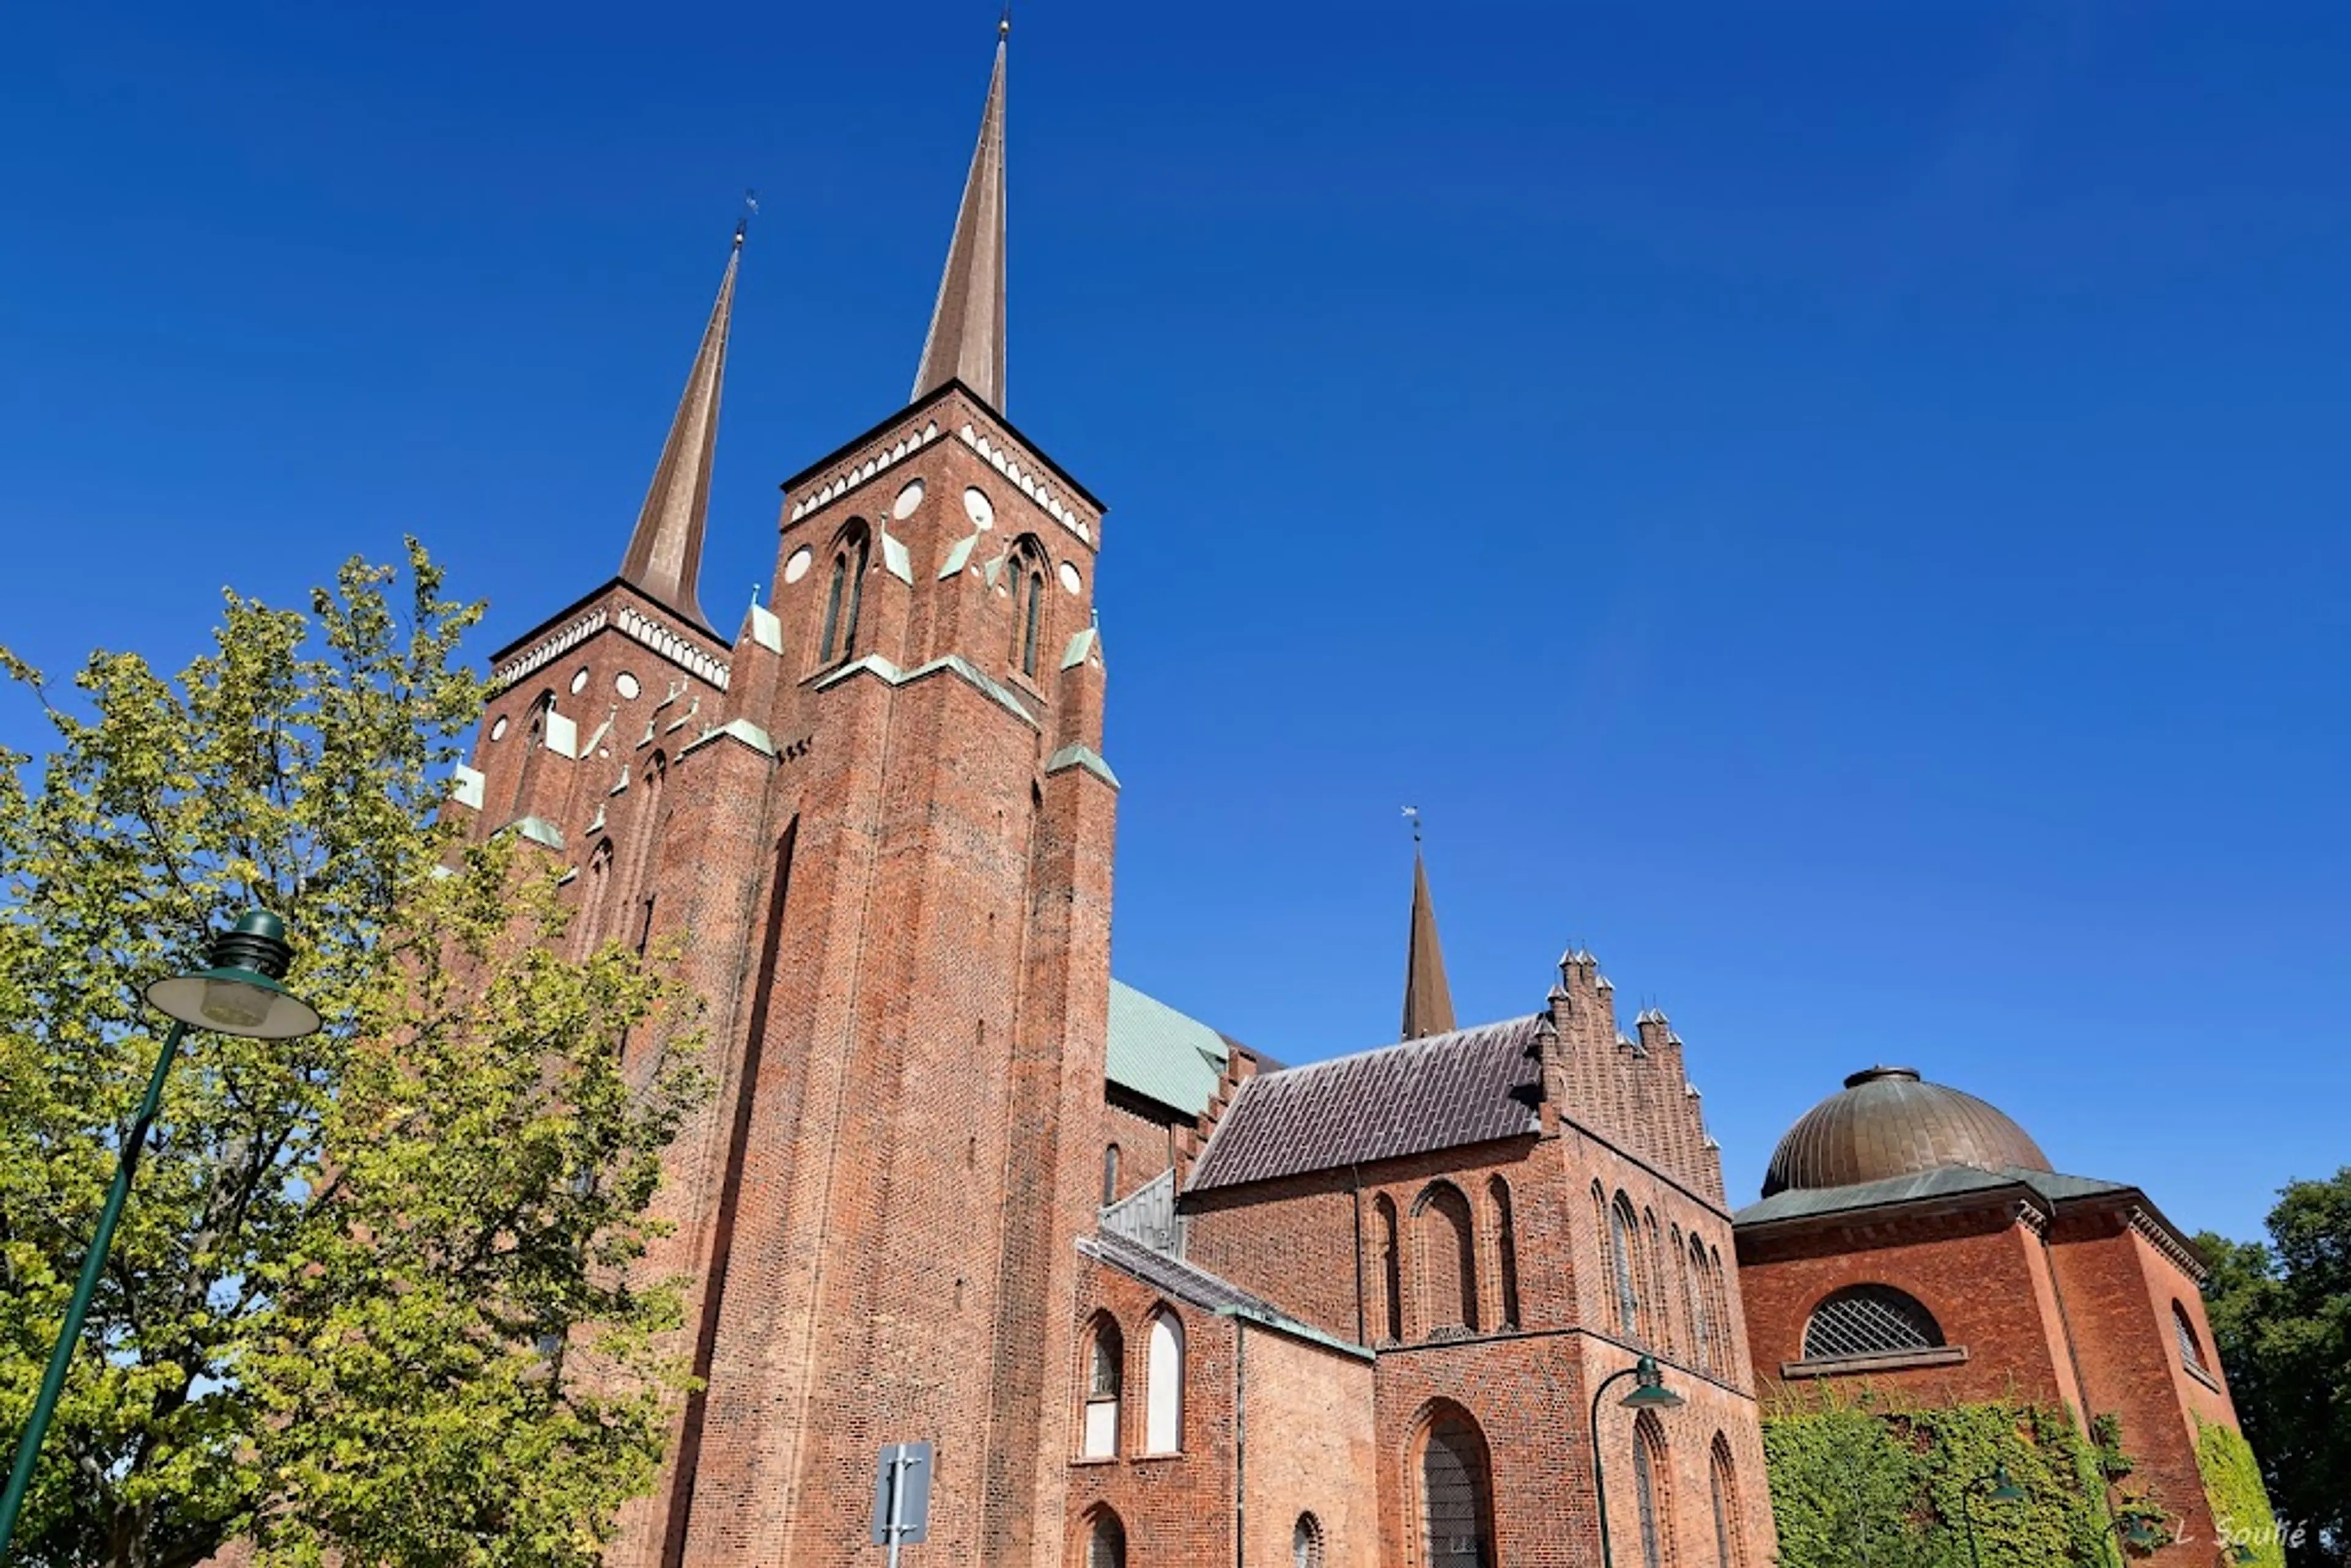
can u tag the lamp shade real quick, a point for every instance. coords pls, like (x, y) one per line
(240, 994)
(234, 1001)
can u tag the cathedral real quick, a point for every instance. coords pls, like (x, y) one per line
(1467, 1299)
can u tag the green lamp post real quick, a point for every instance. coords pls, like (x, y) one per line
(1649, 1393)
(238, 995)
(2003, 1490)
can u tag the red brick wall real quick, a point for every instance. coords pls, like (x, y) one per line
(1145, 1145)
(1976, 1273)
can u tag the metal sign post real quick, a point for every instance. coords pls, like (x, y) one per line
(902, 1497)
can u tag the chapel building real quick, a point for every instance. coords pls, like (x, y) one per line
(1914, 1242)
(1157, 1302)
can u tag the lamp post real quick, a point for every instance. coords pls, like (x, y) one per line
(238, 995)
(2137, 1533)
(2003, 1491)
(1649, 1393)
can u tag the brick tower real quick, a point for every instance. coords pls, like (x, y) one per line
(882, 825)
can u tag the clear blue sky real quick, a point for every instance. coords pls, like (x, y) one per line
(1838, 508)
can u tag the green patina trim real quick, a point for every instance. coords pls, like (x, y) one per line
(1296, 1329)
(954, 664)
(958, 557)
(537, 829)
(466, 787)
(1080, 646)
(1075, 756)
(896, 561)
(741, 729)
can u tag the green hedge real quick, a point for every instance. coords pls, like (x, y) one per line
(1859, 1479)
(2232, 1484)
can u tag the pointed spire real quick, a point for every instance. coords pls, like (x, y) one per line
(664, 555)
(967, 336)
(1427, 1000)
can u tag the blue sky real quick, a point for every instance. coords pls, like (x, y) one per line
(1839, 508)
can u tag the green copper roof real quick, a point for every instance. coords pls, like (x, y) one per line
(1160, 1054)
(1950, 1181)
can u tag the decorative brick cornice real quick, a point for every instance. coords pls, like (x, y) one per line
(2032, 1216)
(2159, 1236)
(687, 653)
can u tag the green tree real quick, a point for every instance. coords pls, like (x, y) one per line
(378, 1294)
(2281, 1313)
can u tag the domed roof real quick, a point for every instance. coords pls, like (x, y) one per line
(1887, 1123)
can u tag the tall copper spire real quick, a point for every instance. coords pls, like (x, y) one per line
(1427, 1000)
(967, 336)
(665, 553)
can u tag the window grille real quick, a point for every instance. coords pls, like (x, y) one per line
(2191, 1351)
(1620, 1247)
(1107, 1548)
(1869, 1320)
(1453, 1499)
(1645, 1486)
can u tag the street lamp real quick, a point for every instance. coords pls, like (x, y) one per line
(238, 995)
(1649, 1393)
(2003, 1490)
(2137, 1532)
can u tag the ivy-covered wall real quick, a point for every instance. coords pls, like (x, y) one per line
(2232, 1484)
(1862, 1480)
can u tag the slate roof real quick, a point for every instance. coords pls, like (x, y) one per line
(1198, 1288)
(1948, 1181)
(1159, 1053)
(1471, 1086)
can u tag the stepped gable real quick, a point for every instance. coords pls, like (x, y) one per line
(1442, 1092)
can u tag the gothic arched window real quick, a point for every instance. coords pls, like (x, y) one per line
(1652, 1489)
(1622, 1242)
(1722, 1480)
(1110, 1175)
(1106, 1541)
(1506, 1252)
(1869, 1320)
(1694, 1285)
(1029, 572)
(1457, 1507)
(844, 594)
(1105, 1351)
(1306, 1542)
(1391, 1266)
(1163, 1387)
(1444, 1248)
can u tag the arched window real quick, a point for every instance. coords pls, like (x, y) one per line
(1661, 1318)
(1722, 1480)
(1622, 1243)
(844, 594)
(1506, 1251)
(1696, 1285)
(1106, 1541)
(1105, 1353)
(2192, 1349)
(1306, 1542)
(1869, 1320)
(595, 897)
(1653, 1491)
(1456, 1504)
(643, 830)
(1110, 1175)
(534, 750)
(1445, 1249)
(1726, 1339)
(1390, 1266)
(1028, 576)
(1163, 1389)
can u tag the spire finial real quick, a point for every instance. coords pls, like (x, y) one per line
(1427, 999)
(966, 341)
(664, 555)
(751, 211)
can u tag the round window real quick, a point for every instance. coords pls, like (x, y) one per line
(626, 685)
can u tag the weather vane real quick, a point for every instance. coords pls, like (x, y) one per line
(1414, 813)
(751, 211)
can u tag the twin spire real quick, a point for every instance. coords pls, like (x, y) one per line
(1427, 999)
(965, 343)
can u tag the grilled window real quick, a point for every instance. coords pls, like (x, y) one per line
(1621, 1230)
(1869, 1320)
(1649, 1460)
(1099, 1437)
(2191, 1350)
(1106, 1546)
(1453, 1501)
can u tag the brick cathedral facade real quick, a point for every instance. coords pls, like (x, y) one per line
(1155, 1299)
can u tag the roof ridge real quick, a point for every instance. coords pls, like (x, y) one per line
(1422, 1042)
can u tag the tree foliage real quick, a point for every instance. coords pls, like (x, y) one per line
(1858, 1481)
(2281, 1315)
(374, 1298)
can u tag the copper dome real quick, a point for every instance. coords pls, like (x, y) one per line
(1887, 1123)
